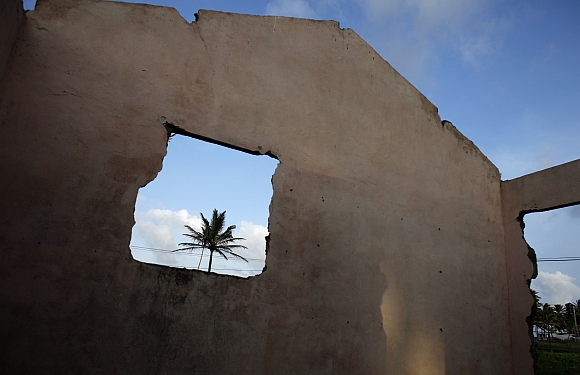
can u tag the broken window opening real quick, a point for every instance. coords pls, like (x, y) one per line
(554, 239)
(200, 176)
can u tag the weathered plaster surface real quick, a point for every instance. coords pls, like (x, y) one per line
(548, 189)
(387, 251)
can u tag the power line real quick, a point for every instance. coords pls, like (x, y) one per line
(177, 252)
(216, 269)
(183, 253)
(152, 249)
(559, 259)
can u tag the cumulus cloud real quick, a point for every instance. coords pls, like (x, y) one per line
(291, 8)
(162, 229)
(157, 227)
(255, 241)
(556, 287)
(255, 236)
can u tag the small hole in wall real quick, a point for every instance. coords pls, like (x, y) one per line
(196, 177)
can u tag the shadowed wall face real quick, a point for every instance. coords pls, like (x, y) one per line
(387, 240)
(11, 14)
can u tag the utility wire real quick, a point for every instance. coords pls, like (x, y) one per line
(183, 253)
(177, 252)
(217, 269)
(559, 259)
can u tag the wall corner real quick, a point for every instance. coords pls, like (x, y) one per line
(11, 17)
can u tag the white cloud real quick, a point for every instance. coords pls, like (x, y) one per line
(255, 236)
(423, 32)
(255, 253)
(473, 48)
(163, 229)
(159, 229)
(484, 40)
(424, 12)
(255, 241)
(556, 287)
(291, 8)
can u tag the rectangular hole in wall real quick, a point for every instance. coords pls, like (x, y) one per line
(198, 177)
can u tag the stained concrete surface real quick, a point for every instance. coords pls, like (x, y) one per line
(391, 251)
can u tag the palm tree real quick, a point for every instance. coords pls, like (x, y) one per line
(536, 311)
(213, 237)
(560, 317)
(547, 320)
(199, 238)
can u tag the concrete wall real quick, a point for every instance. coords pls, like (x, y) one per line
(387, 251)
(11, 14)
(541, 191)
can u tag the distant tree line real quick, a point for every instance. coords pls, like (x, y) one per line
(551, 319)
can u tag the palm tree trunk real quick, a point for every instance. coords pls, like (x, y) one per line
(210, 260)
(200, 258)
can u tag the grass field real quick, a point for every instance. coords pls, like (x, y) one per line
(562, 359)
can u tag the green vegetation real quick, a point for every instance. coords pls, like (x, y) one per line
(562, 359)
(556, 357)
(213, 237)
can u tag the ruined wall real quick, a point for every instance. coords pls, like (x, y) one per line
(387, 238)
(541, 191)
(11, 16)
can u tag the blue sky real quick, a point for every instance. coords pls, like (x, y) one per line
(504, 72)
